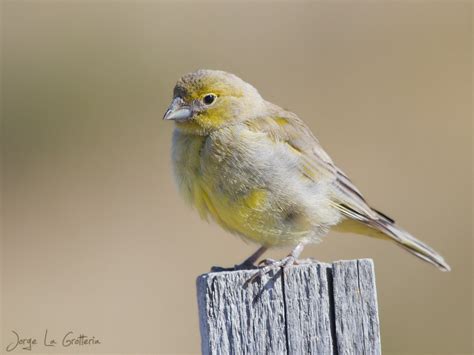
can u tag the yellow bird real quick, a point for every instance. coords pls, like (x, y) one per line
(259, 172)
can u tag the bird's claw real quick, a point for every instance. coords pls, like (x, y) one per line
(272, 265)
(267, 262)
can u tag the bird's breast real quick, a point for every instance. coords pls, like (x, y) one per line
(207, 176)
(221, 178)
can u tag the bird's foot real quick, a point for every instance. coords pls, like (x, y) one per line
(272, 265)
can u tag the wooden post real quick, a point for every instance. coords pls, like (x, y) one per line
(312, 308)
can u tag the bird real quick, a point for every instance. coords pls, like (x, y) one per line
(259, 172)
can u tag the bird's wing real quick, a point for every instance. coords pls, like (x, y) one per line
(318, 166)
(316, 163)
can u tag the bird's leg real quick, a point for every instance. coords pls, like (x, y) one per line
(250, 261)
(272, 265)
(246, 264)
(289, 260)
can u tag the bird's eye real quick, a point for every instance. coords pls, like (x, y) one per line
(209, 99)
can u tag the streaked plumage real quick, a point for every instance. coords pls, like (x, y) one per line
(258, 171)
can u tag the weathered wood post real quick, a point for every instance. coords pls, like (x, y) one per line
(312, 308)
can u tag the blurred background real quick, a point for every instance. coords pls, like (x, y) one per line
(96, 239)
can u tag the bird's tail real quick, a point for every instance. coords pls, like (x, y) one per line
(413, 245)
(385, 228)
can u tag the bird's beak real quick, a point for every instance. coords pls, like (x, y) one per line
(178, 111)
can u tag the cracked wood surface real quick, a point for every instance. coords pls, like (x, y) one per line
(312, 308)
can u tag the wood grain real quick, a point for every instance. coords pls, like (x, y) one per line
(313, 308)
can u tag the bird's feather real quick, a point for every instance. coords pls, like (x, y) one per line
(316, 165)
(259, 171)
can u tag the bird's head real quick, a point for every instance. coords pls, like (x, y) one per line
(206, 100)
